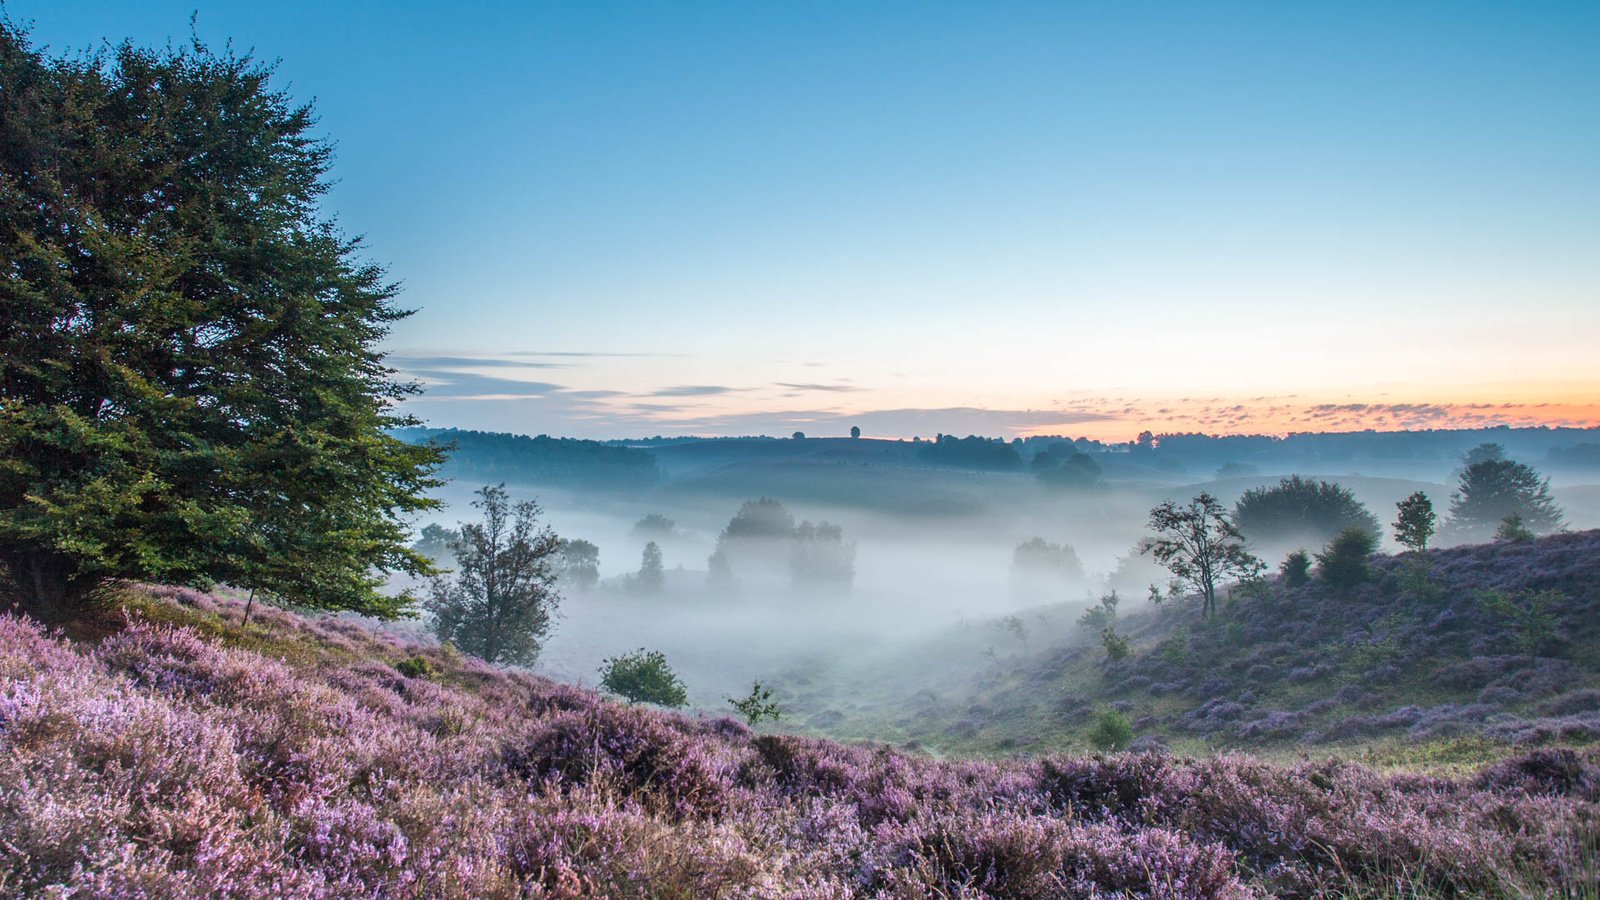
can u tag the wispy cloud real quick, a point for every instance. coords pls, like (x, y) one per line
(694, 390)
(835, 388)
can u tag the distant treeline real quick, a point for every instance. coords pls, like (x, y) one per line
(493, 456)
(1199, 453)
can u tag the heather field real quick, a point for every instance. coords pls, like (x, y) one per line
(171, 753)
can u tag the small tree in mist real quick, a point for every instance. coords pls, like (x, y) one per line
(757, 705)
(855, 432)
(1116, 645)
(1512, 531)
(652, 576)
(1038, 558)
(435, 541)
(578, 564)
(643, 676)
(499, 605)
(1414, 524)
(821, 555)
(1200, 546)
(1343, 563)
(1296, 569)
(655, 527)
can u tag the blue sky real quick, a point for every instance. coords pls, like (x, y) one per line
(1008, 218)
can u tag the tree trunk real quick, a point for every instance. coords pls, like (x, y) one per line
(248, 605)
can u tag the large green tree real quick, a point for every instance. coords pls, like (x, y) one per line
(1492, 489)
(1300, 512)
(191, 388)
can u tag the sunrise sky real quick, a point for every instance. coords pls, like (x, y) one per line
(627, 219)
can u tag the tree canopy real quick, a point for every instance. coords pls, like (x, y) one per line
(1494, 488)
(502, 600)
(1300, 510)
(190, 383)
(1200, 546)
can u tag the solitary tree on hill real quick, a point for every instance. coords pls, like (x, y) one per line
(500, 604)
(1200, 546)
(1297, 510)
(1492, 489)
(191, 385)
(1414, 525)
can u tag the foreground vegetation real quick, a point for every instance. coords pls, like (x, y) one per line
(181, 755)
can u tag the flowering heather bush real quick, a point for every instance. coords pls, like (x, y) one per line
(194, 761)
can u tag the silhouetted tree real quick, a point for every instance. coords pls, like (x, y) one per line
(1512, 530)
(1492, 489)
(500, 602)
(1300, 509)
(1199, 546)
(1296, 569)
(578, 564)
(855, 431)
(822, 555)
(652, 576)
(655, 526)
(434, 542)
(1414, 524)
(1038, 557)
(764, 518)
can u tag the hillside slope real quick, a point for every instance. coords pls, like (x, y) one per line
(181, 756)
(1395, 662)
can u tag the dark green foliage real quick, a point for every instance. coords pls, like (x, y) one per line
(651, 577)
(822, 555)
(1200, 546)
(1530, 611)
(1512, 530)
(1296, 569)
(1343, 563)
(569, 462)
(758, 705)
(1116, 645)
(1300, 509)
(415, 667)
(971, 452)
(1414, 522)
(855, 432)
(643, 676)
(435, 542)
(191, 388)
(499, 605)
(1112, 731)
(578, 563)
(1038, 557)
(1492, 489)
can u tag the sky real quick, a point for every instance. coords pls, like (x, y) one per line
(1092, 219)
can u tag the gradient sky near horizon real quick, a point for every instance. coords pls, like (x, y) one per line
(627, 219)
